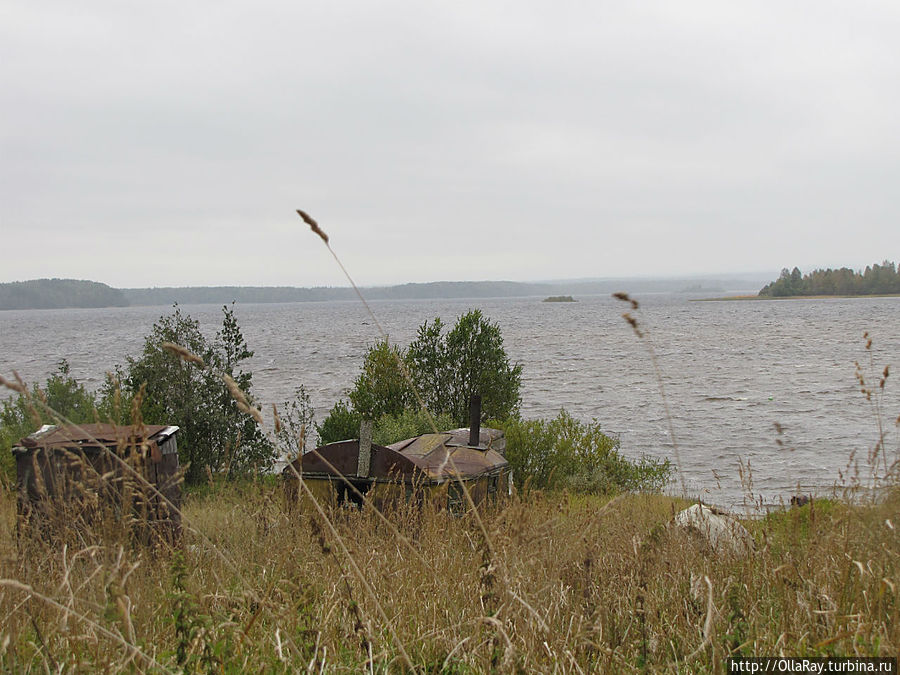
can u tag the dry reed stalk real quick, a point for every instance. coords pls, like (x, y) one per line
(708, 623)
(313, 225)
(17, 386)
(240, 399)
(875, 397)
(489, 563)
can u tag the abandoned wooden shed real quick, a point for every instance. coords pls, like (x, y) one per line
(71, 474)
(428, 468)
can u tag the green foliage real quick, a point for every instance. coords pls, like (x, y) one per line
(469, 359)
(447, 368)
(343, 423)
(200, 644)
(21, 416)
(877, 279)
(381, 388)
(407, 424)
(296, 427)
(214, 433)
(566, 453)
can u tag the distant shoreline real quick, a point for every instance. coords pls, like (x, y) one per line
(744, 298)
(71, 293)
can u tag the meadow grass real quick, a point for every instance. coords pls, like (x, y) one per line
(575, 584)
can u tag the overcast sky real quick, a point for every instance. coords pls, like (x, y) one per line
(168, 143)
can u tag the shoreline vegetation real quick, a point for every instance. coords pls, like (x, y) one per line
(883, 279)
(878, 281)
(559, 298)
(757, 298)
(71, 293)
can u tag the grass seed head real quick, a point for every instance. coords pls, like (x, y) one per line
(183, 353)
(313, 225)
(633, 323)
(277, 419)
(624, 297)
(17, 387)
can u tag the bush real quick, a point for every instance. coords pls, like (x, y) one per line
(20, 416)
(343, 423)
(296, 426)
(566, 453)
(409, 423)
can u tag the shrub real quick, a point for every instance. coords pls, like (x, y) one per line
(20, 416)
(566, 453)
(296, 427)
(409, 423)
(343, 423)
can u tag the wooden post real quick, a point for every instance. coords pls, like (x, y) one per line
(365, 449)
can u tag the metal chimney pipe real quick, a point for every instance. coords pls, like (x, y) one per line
(475, 420)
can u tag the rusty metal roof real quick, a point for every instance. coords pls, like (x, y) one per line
(431, 457)
(94, 436)
(488, 439)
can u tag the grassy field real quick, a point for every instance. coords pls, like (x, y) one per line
(559, 584)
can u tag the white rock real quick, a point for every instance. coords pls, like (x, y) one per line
(722, 532)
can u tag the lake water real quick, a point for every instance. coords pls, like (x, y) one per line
(731, 372)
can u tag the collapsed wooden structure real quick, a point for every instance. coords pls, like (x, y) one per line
(76, 476)
(429, 468)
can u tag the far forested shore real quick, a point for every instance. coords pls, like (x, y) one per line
(883, 279)
(64, 293)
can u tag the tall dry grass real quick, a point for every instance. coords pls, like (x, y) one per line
(577, 585)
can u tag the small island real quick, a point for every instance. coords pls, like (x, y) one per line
(559, 298)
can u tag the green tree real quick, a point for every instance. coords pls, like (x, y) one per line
(446, 368)
(381, 387)
(214, 434)
(429, 365)
(469, 359)
(478, 364)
